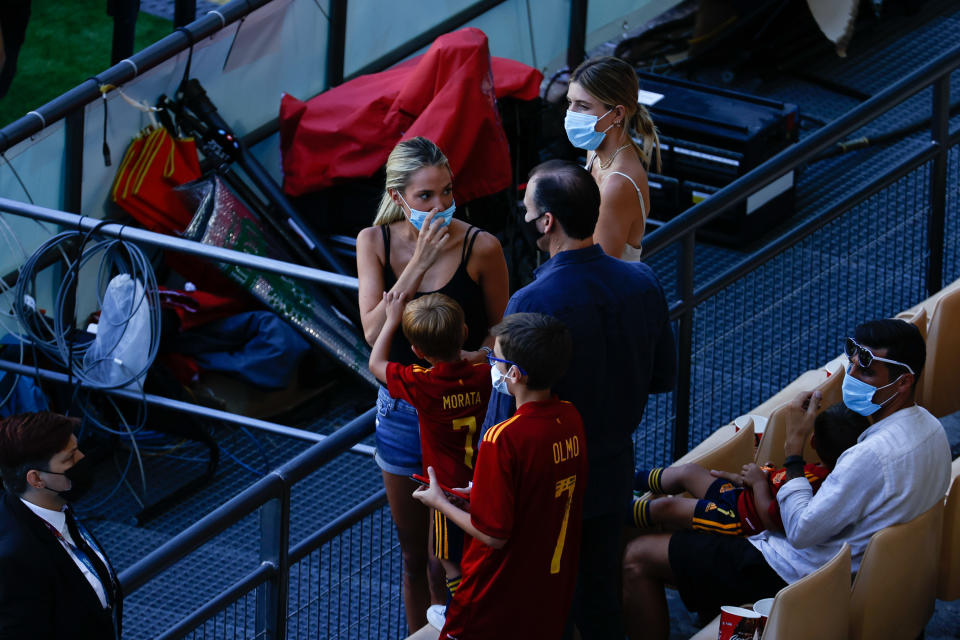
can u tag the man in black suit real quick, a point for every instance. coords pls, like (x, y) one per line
(55, 580)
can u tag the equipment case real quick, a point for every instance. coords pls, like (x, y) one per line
(709, 138)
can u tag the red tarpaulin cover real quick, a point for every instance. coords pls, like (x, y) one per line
(444, 95)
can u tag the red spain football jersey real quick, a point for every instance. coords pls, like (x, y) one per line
(747, 507)
(528, 489)
(451, 402)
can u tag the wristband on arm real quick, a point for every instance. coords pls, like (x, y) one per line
(794, 466)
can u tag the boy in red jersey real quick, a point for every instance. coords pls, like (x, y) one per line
(520, 568)
(745, 503)
(450, 398)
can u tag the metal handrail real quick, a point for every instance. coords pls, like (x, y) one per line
(273, 486)
(177, 405)
(795, 155)
(163, 241)
(307, 546)
(249, 582)
(125, 71)
(276, 486)
(802, 231)
(683, 228)
(267, 570)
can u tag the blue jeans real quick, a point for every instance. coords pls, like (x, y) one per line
(397, 436)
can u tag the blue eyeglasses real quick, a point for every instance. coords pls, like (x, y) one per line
(491, 359)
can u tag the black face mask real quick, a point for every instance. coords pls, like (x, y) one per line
(530, 231)
(80, 476)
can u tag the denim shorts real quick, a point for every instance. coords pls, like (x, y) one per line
(397, 436)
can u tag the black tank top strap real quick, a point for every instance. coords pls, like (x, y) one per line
(389, 277)
(468, 239)
(385, 232)
(460, 287)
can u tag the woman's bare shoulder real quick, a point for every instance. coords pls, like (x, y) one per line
(368, 234)
(486, 243)
(369, 240)
(614, 182)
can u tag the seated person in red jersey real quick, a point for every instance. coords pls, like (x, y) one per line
(745, 503)
(524, 514)
(450, 398)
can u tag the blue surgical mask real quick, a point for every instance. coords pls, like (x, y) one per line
(582, 130)
(858, 395)
(499, 381)
(417, 217)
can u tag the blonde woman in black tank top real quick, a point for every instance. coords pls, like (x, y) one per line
(402, 254)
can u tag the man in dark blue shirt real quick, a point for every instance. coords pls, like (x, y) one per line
(623, 349)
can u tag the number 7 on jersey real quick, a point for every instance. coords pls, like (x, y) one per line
(470, 424)
(565, 486)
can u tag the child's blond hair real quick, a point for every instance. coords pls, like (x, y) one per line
(434, 325)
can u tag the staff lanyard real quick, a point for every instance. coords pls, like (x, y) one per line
(81, 555)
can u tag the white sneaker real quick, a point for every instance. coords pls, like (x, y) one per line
(437, 616)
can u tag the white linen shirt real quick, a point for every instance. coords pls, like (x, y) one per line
(898, 469)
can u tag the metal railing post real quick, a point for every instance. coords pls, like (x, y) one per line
(73, 158)
(271, 617)
(184, 12)
(938, 183)
(336, 42)
(577, 40)
(124, 14)
(681, 397)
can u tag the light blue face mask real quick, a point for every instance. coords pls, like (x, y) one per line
(858, 395)
(417, 218)
(582, 130)
(499, 381)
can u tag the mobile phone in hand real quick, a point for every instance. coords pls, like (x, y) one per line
(453, 493)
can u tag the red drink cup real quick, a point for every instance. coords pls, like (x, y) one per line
(737, 623)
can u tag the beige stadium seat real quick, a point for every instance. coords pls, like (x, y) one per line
(939, 390)
(804, 382)
(948, 582)
(916, 316)
(816, 606)
(711, 442)
(831, 389)
(932, 301)
(770, 448)
(895, 589)
(807, 380)
(730, 455)
(427, 632)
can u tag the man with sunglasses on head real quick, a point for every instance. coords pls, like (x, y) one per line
(898, 469)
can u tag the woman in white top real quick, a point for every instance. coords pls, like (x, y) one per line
(605, 119)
